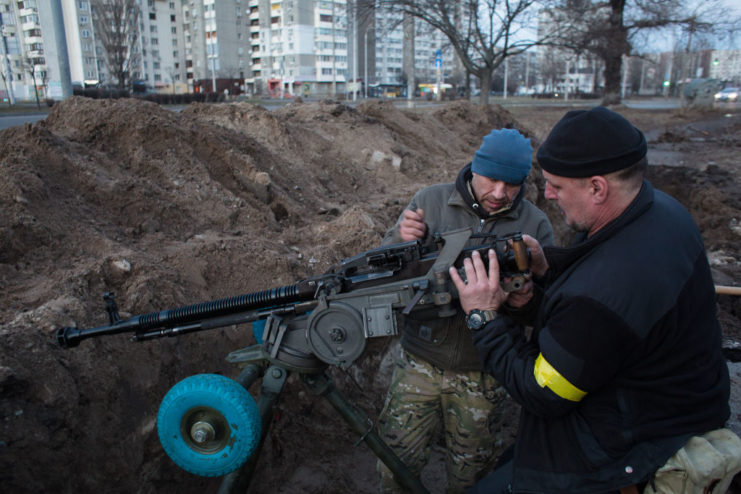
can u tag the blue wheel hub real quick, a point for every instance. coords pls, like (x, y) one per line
(209, 425)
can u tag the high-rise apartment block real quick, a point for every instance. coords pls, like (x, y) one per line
(21, 49)
(273, 47)
(298, 46)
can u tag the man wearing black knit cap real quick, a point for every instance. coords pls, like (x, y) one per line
(622, 384)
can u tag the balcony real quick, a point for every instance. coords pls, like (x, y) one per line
(27, 26)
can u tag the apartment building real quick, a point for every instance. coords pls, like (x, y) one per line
(161, 45)
(216, 35)
(725, 66)
(433, 55)
(22, 50)
(298, 47)
(81, 48)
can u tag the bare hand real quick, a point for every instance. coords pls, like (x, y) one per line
(481, 290)
(412, 226)
(538, 262)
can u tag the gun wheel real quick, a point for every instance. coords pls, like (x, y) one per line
(208, 425)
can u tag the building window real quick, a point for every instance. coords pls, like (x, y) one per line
(82, 5)
(326, 71)
(325, 18)
(83, 19)
(152, 16)
(85, 33)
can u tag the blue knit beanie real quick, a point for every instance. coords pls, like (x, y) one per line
(504, 155)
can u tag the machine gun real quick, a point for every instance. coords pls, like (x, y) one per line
(209, 424)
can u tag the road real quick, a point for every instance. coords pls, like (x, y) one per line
(19, 119)
(11, 120)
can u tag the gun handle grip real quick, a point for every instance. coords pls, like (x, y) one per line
(521, 257)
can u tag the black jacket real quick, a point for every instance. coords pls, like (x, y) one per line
(625, 362)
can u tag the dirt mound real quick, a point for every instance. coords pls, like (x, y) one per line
(166, 209)
(169, 208)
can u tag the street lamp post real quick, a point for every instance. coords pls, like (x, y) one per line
(213, 73)
(365, 63)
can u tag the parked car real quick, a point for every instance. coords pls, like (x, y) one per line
(728, 94)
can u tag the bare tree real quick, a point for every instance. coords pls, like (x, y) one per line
(482, 32)
(29, 65)
(116, 24)
(609, 28)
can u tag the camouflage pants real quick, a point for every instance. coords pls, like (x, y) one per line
(424, 400)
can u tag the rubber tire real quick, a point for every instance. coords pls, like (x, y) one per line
(229, 399)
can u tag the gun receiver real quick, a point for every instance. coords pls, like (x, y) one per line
(327, 319)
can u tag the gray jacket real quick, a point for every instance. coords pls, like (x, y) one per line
(446, 342)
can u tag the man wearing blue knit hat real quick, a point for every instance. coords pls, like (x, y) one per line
(438, 382)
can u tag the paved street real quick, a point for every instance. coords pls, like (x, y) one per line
(19, 119)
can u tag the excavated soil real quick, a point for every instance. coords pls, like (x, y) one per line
(170, 208)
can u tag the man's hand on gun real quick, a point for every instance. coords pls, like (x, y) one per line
(482, 289)
(412, 226)
(538, 267)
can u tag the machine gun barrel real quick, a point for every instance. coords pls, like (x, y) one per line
(189, 314)
(371, 280)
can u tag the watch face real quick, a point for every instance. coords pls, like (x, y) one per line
(475, 319)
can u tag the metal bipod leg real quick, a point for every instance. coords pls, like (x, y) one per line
(321, 385)
(272, 384)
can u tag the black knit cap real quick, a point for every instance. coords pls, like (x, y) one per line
(592, 142)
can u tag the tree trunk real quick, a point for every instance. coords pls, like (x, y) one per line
(613, 66)
(408, 55)
(485, 80)
(617, 46)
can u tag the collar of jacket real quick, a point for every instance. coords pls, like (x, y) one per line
(461, 185)
(560, 258)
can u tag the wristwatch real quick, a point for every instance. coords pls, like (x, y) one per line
(477, 319)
